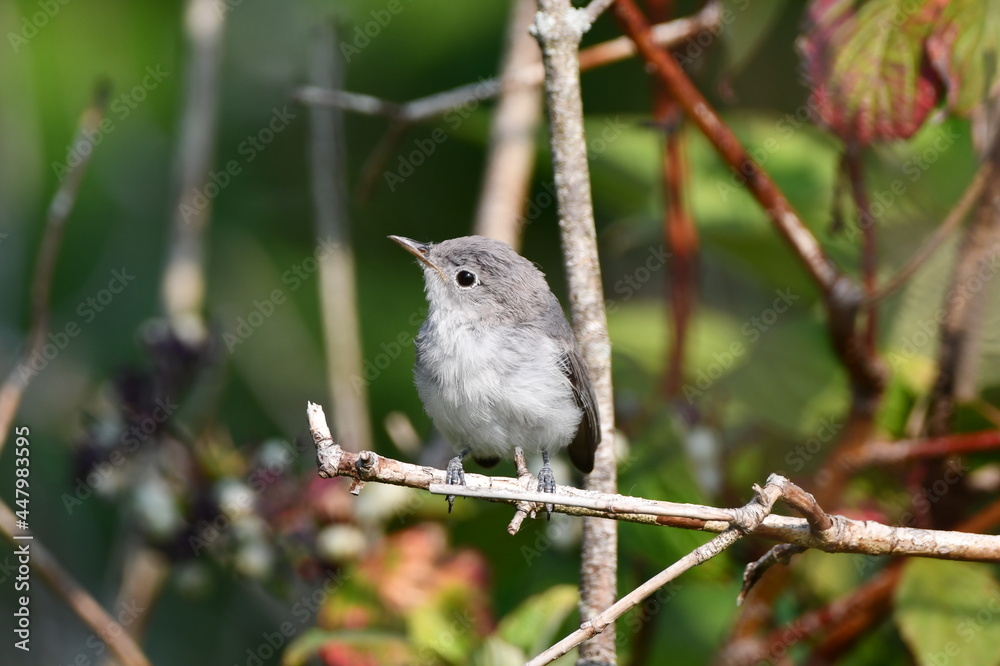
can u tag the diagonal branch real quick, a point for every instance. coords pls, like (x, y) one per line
(80, 601)
(843, 297)
(974, 271)
(598, 623)
(853, 163)
(41, 287)
(785, 218)
(934, 241)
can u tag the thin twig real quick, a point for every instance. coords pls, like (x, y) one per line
(780, 554)
(974, 270)
(144, 573)
(753, 514)
(41, 285)
(528, 76)
(803, 502)
(338, 292)
(348, 101)
(934, 241)
(76, 597)
(403, 116)
(679, 232)
(595, 8)
(526, 480)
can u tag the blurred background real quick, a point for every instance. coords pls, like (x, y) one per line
(177, 482)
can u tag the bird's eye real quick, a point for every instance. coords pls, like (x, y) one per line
(465, 278)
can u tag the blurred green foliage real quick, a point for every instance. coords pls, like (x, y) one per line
(782, 388)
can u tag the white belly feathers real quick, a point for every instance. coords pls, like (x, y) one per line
(491, 408)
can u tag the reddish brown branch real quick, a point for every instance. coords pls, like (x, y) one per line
(843, 298)
(853, 163)
(803, 502)
(679, 232)
(851, 615)
(756, 179)
(882, 453)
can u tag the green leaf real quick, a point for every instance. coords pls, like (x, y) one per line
(963, 48)
(443, 629)
(532, 625)
(497, 652)
(949, 612)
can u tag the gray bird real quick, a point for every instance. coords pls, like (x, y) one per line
(497, 364)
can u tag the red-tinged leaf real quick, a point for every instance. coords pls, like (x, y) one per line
(870, 77)
(963, 47)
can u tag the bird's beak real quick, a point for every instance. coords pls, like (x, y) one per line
(418, 250)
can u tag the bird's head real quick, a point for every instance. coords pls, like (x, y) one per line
(480, 279)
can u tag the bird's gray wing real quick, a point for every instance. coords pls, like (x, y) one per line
(588, 435)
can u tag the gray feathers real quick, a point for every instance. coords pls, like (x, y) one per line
(497, 364)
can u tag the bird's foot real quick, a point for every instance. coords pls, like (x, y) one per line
(455, 476)
(547, 482)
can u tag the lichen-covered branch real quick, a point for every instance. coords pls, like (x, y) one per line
(818, 529)
(559, 27)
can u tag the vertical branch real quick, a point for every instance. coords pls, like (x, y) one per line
(45, 266)
(679, 231)
(338, 291)
(854, 166)
(511, 156)
(558, 28)
(682, 241)
(183, 283)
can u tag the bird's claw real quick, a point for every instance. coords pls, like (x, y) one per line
(455, 476)
(547, 484)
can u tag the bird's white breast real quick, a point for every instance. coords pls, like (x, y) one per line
(491, 389)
